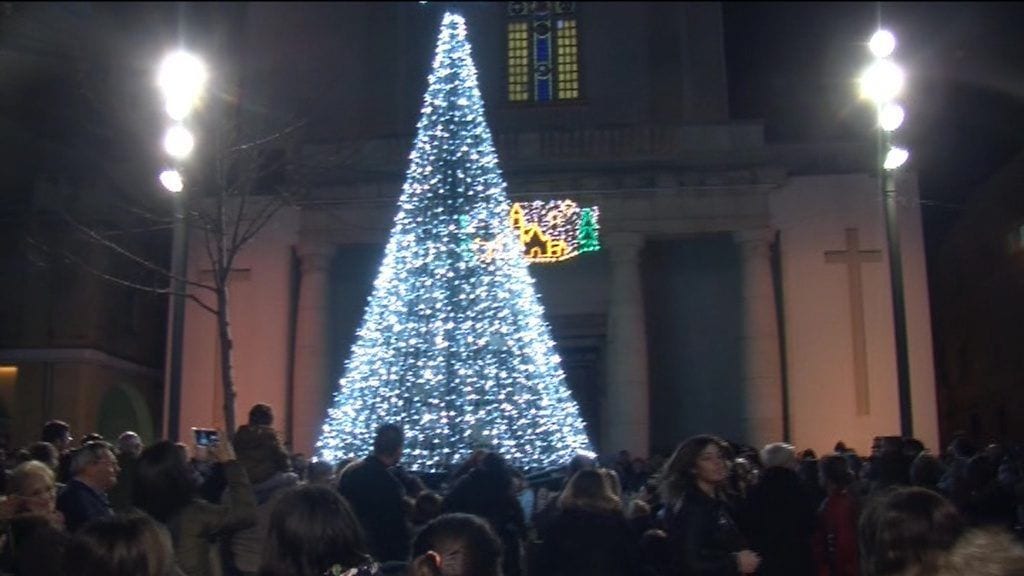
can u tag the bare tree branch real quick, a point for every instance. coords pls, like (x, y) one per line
(202, 304)
(116, 279)
(268, 139)
(117, 248)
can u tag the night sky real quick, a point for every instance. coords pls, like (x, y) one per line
(794, 64)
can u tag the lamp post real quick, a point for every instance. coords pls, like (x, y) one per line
(881, 83)
(181, 80)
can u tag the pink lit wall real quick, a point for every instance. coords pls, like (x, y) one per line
(812, 214)
(260, 297)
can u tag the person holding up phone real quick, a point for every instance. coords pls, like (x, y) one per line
(165, 490)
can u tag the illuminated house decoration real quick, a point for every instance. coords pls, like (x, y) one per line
(554, 231)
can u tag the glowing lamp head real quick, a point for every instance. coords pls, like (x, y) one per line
(171, 179)
(882, 44)
(890, 116)
(881, 82)
(181, 78)
(895, 158)
(178, 142)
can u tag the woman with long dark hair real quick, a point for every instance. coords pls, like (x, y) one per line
(164, 488)
(704, 538)
(313, 532)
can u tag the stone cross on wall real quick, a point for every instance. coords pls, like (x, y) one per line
(853, 257)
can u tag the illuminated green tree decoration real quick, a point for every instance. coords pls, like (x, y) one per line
(454, 347)
(588, 232)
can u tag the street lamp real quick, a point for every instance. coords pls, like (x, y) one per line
(181, 78)
(881, 83)
(171, 179)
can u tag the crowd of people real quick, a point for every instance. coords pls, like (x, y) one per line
(245, 507)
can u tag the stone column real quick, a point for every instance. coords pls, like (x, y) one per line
(626, 401)
(762, 381)
(310, 373)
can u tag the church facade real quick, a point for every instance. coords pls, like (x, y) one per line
(741, 287)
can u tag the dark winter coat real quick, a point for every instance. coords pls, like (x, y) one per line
(80, 503)
(378, 500)
(488, 494)
(703, 536)
(779, 519)
(584, 542)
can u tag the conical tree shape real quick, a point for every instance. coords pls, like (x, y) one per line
(453, 345)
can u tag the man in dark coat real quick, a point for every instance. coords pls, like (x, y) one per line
(488, 491)
(779, 515)
(94, 472)
(378, 498)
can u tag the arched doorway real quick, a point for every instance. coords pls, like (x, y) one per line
(124, 408)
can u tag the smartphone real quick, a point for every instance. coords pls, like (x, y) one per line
(205, 436)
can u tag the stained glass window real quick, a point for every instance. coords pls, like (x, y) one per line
(543, 52)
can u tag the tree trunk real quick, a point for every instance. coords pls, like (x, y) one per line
(226, 370)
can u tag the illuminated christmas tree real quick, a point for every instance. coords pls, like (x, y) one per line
(453, 345)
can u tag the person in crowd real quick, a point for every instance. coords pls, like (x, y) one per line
(639, 516)
(906, 530)
(590, 534)
(456, 545)
(546, 505)
(128, 545)
(958, 454)
(94, 472)
(779, 514)
(655, 553)
(267, 465)
(92, 437)
(888, 465)
(33, 530)
(378, 498)
(31, 490)
(427, 507)
(985, 501)
(488, 491)
(636, 477)
(58, 433)
(742, 476)
(835, 537)
(808, 471)
(258, 448)
(164, 489)
(129, 446)
(704, 537)
(612, 481)
(46, 453)
(314, 532)
(984, 552)
(926, 471)
(320, 472)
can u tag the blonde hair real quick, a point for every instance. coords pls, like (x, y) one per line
(588, 490)
(611, 481)
(984, 552)
(19, 476)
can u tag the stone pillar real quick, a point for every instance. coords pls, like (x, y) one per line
(626, 401)
(762, 381)
(310, 373)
